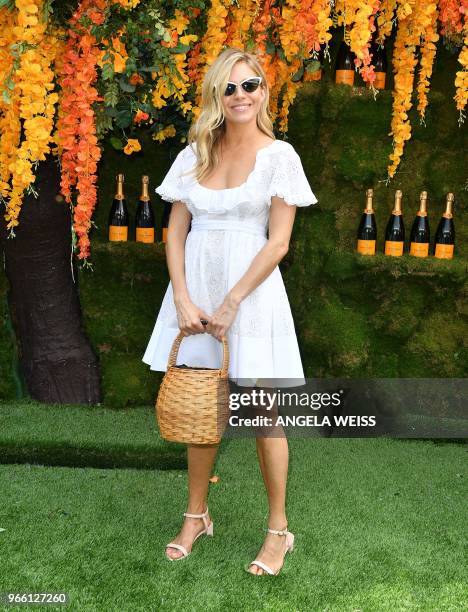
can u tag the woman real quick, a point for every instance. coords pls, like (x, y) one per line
(232, 182)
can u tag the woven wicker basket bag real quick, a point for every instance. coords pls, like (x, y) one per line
(192, 405)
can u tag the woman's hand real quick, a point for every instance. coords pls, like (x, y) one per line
(223, 318)
(188, 317)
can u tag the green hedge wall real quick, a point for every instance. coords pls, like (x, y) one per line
(355, 316)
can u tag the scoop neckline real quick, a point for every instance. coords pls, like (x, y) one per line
(248, 177)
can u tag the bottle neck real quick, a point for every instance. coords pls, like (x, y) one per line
(422, 212)
(369, 209)
(448, 210)
(397, 208)
(144, 193)
(119, 194)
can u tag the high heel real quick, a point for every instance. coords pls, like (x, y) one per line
(289, 548)
(207, 531)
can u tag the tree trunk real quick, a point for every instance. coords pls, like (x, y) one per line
(55, 357)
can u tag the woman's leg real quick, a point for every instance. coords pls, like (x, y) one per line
(273, 458)
(200, 460)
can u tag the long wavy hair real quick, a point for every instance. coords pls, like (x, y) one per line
(209, 129)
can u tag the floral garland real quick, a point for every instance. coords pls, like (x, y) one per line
(428, 51)
(412, 26)
(451, 18)
(76, 126)
(239, 23)
(262, 25)
(385, 19)
(461, 77)
(211, 44)
(320, 16)
(10, 125)
(291, 39)
(167, 83)
(404, 62)
(32, 107)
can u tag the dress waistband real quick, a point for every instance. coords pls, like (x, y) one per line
(228, 224)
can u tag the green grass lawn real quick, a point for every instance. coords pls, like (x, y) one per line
(379, 523)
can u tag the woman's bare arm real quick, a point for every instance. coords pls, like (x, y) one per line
(177, 230)
(188, 313)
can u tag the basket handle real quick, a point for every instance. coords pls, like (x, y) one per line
(175, 349)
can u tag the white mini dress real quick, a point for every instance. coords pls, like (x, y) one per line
(228, 228)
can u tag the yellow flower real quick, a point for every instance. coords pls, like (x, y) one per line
(186, 106)
(132, 146)
(188, 38)
(127, 4)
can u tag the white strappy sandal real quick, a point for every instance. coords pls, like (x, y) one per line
(208, 531)
(289, 548)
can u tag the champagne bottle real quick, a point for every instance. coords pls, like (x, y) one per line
(144, 218)
(379, 61)
(118, 216)
(420, 234)
(367, 231)
(395, 230)
(165, 220)
(313, 67)
(344, 69)
(445, 233)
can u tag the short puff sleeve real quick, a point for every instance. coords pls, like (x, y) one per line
(289, 180)
(172, 187)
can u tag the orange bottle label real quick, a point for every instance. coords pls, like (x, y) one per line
(394, 247)
(164, 234)
(366, 247)
(315, 76)
(419, 249)
(144, 234)
(379, 82)
(118, 232)
(444, 251)
(344, 76)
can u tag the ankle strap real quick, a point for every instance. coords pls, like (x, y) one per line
(277, 532)
(197, 515)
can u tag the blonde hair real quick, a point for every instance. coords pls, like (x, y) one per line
(210, 126)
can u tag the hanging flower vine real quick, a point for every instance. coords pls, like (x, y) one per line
(31, 105)
(428, 51)
(461, 77)
(78, 143)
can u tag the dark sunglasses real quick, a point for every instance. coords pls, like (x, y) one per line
(248, 85)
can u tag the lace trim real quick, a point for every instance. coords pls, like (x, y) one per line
(295, 199)
(172, 188)
(290, 182)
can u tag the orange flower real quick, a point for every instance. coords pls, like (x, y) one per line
(117, 51)
(136, 79)
(96, 17)
(172, 42)
(127, 4)
(132, 146)
(140, 116)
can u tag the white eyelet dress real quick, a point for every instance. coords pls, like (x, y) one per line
(228, 228)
